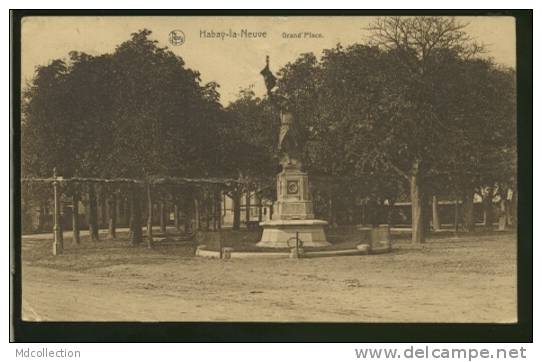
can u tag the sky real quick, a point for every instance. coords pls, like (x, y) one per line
(233, 62)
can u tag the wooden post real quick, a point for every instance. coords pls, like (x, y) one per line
(196, 214)
(149, 216)
(118, 209)
(103, 208)
(247, 208)
(259, 208)
(131, 211)
(126, 212)
(456, 215)
(93, 214)
(187, 212)
(220, 246)
(218, 210)
(417, 205)
(112, 215)
(137, 234)
(236, 204)
(58, 244)
(363, 212)
(468, 211)
(207, 209)
(212, 200)
(436, 218)
(176, 212)
(162, 216)
(75, 217)
(175, 199)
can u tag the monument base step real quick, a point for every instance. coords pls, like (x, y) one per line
(282, 233)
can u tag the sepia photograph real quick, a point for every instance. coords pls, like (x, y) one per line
(270, 168)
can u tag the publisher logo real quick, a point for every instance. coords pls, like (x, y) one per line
(176, 37)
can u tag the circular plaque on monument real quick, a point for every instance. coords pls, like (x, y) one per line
(292, 187)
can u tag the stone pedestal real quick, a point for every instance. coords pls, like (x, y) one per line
(294, 213)
(282, 233)
(378, 239)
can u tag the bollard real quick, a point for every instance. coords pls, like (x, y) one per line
(58, 243)
(226, 253)
(297, 251)
(380, 239)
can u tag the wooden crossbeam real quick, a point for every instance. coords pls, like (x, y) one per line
(152, 180)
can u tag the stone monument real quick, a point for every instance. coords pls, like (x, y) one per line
(294, 213)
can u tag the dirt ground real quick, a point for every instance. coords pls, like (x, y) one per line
(471, 278)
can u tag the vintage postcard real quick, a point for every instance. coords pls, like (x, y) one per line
(269, 169)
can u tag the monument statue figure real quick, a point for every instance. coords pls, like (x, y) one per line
(294, 210)
(289, 146)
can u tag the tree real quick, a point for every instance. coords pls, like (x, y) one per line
(337, 100)
(137, 112)
(249, 136)
(404, 114)
(423, 50)
(484, 139)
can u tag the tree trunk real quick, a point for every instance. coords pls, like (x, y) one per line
(436, 217)
(149, 216)
(260, 211)
(218, 210)
(187, 212)
(103, 208)
(112, 214)
(118, 208)
(196, 214)
(213, 209)
(207, 209)
(416, 197)
(135, 219)
(58, 234)
(247, 207)
(363, 210)
(236, 199)
(125, 212)
(176, 215)
(468, 211)
(93, 214)
(162, 216)
(75, 218)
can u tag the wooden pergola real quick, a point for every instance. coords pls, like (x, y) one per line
(148, 183)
